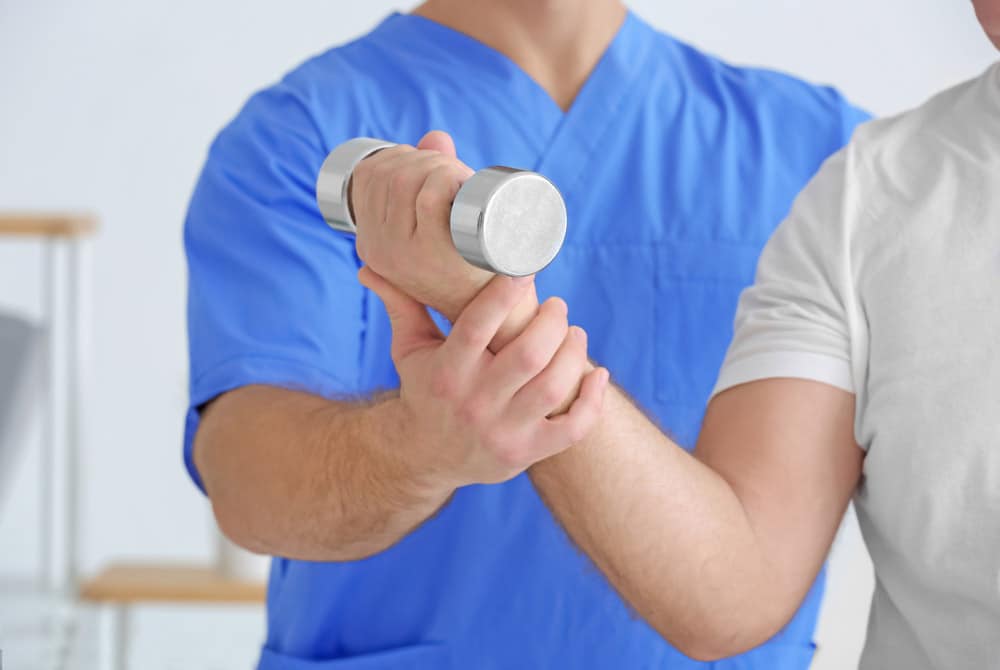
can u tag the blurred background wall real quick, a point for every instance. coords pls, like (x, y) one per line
(109, 106)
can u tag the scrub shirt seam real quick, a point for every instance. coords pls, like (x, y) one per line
(593, 146)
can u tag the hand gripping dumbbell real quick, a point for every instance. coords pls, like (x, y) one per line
(507, 221)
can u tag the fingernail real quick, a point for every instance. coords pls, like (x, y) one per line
(521, 281)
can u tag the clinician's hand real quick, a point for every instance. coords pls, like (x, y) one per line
(480, 417)
(401, 198)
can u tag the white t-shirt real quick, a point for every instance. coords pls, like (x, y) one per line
(885, 282)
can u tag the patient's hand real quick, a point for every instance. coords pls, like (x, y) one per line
(401, 199)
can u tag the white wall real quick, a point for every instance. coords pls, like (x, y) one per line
(109, 105)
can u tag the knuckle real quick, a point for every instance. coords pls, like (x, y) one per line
(429, 202)
(509, 456)
(531, 359)
(472, 412)
(473, 335)
(443, 384)
(552, 393)
(494, 441)
(400, 181)
(445, 169)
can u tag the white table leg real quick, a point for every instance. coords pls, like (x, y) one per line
(77, 338)
(50, 535)
(65, 309)
(113, 642)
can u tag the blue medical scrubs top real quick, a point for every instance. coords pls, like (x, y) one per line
(675, 168)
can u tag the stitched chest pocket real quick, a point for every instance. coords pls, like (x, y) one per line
(697, 289)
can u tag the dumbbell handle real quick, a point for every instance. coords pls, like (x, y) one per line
(503, 220)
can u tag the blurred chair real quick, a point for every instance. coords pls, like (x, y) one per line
(20, 388)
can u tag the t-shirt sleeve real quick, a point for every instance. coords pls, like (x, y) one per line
(273, 296)
(796, 319)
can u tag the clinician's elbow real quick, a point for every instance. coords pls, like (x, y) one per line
(238, 529)
(261, 531)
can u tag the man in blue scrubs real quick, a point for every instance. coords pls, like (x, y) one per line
(675, 168)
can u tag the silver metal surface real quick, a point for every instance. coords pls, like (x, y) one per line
(508, 221)
(334, 181)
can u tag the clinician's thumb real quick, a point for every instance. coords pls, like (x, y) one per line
(412, 326)
(438, 140)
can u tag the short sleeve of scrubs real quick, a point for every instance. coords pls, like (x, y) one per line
(273, 294)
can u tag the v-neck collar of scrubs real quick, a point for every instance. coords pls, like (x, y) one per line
(567, 138)
(613, 80)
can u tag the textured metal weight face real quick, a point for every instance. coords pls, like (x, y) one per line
(508, 221)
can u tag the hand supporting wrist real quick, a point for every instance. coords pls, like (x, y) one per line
(473, 416)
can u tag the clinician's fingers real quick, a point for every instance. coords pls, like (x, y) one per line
(369, 199)
(409, 174)
(555, 389)
(438, 140)
(364, 172)
(377, 188)
(568, 429)
(433, 202)
(523, 359)
(412, 326)
(479, 322)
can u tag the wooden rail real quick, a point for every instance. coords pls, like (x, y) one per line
(145, 583)
(52, 224)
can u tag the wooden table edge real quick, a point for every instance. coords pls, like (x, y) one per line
(48, 224)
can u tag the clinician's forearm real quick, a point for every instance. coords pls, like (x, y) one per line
(294, 475)
(669, 533)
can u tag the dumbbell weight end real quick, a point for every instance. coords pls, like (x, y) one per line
(507, 221)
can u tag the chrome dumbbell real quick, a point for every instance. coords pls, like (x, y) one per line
(504, 220)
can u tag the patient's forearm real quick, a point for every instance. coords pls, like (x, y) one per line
(670, 534)
(295, 475)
